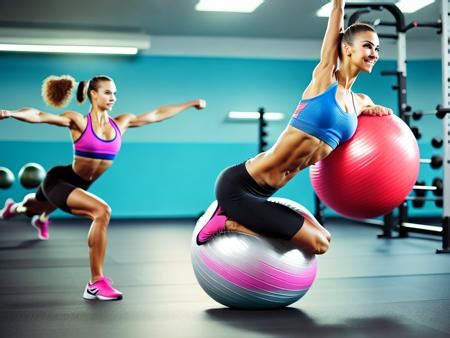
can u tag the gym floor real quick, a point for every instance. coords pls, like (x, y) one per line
(366, 287)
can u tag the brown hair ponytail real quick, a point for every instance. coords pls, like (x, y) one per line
(81, 91)
(85, 87)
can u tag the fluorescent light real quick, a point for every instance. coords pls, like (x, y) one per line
(325, 10)
(68, 49)
(71, 41)
(250, 115)
(411, 6)
(240, 6)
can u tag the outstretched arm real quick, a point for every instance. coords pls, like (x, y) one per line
(330, 44)
(323, 74)
(32, 115)
(157, 115)
(370, 108)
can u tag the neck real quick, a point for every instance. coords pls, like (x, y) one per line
(346, 77)
(99, 115)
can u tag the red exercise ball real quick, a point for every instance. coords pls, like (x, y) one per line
(373, 172)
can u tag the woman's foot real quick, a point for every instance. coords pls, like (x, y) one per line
(101, 289)
(41, 227)
(213, 221)
(7, 212)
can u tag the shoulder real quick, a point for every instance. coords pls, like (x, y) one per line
(73, 115)
(77, 120)
(123, 120)
(123, 117)
(364, 99)
(321, 80)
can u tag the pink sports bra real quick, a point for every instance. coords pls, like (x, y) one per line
(92, 146)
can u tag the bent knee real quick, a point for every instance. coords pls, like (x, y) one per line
(102, 212)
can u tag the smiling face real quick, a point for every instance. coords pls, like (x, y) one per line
(363, 51)
(366, 49)
(105, 95)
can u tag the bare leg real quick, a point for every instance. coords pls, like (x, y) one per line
(83, 203)
(311, 237)
(234, 226)
(319, 227)
(31, 206)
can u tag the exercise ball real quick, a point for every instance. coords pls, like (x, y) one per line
(252, 272)
(31, 175)
(373, 172)
(6, 178)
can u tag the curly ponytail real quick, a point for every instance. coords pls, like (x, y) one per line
(57, 91)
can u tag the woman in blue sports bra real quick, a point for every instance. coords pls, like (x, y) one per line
(97, 139)
(325, 117)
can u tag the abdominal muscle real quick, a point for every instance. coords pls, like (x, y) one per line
(293, 151)
(90, 168)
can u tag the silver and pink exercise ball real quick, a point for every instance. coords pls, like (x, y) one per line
(252, 272)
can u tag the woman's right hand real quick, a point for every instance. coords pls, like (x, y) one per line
(4, 114)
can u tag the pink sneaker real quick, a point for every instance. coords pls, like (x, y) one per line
(41, 227)
(6, 213)
(214, 222)
(102, 290)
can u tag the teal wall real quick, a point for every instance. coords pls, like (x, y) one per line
(168, 169)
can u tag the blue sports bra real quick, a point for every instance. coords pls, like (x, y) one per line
(322, 116)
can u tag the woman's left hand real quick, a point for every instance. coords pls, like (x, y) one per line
(4, 114)
(200, 104)
(376, 110)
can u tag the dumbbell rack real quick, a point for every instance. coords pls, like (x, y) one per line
(404, 225)
(446, 126)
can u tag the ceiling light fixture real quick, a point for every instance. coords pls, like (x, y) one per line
(411, 6)
(239, 6)
(325, 10)
(69, 41)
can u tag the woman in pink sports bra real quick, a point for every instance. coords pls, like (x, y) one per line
(97, 138)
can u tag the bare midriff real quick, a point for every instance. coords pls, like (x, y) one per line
(90, 168)
(293, 151)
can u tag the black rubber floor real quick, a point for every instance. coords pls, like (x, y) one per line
(366, 287)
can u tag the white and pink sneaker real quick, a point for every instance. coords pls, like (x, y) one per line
(102, 290)
(6, 212)
(214, 222)
(41, 227)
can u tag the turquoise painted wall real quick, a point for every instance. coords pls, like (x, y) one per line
(169, 169)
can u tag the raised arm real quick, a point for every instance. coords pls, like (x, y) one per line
(157, 115)
(331, 41)
(32, 115)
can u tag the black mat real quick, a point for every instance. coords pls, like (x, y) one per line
(366, 287)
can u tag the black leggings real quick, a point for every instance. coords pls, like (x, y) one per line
(59, 182)
(245, 202)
